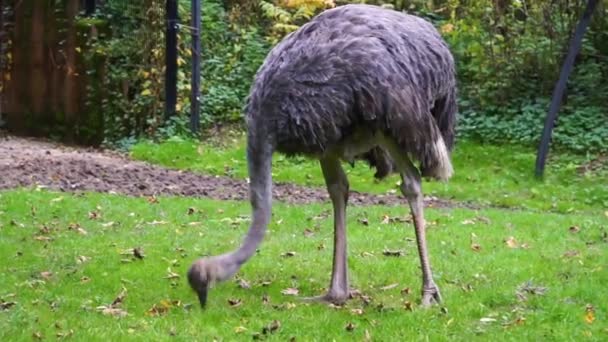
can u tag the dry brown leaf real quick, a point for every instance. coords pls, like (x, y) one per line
(288, 254)
(308, 232)
(46, 275)
(272, 327)
(162, 308)
(37, 335)
(408, 305)
(120, 298)
(290, 291)
(240, 329)
(475, 247)
(364, 221)
(42, 238)
(388, 287)
(244, 284)
(574, 229)
(191, 211)
(511, 242)
(350, 326)
(171, 274)
(589, 314)
(110, 311)
(94, 215)
(81, 259)
(406, 291)
(468, 221)
(265, 299)
(235, 302)
(357, 311)
(397, 253)
(6, 305)
(85, 279)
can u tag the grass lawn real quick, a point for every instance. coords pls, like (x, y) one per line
(530, 265)
(504, 274)
(485, 174)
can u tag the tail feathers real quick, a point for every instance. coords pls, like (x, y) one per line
(441, 168)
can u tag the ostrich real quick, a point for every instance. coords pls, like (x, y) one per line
(357, 82)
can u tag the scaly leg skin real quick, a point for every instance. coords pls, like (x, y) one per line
(411, 189)
(337, 186)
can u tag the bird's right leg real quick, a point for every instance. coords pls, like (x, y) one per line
(337, 186)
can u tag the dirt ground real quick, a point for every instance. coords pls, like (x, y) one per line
(26, 162)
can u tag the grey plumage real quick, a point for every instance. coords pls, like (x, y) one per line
(357, 65)
(356, 82)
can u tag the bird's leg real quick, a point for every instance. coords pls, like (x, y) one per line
(412, 190)
(337, 186)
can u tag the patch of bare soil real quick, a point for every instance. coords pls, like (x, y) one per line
(31, 162)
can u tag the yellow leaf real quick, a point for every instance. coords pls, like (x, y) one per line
(447, 28)
(510, 242)
(146, 92)
(589, 317)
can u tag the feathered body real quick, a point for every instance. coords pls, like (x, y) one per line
(358, 68)
(356, 82)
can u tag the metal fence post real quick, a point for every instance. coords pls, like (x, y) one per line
(171, 59)
(196, 67)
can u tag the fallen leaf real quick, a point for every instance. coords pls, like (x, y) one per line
(398, 253)
(85, 279)
(37, 335)
(272, 327)
(81, 259)
(171, 274)
(364, 221)
(244, 284)
(235, 302)
(357, 311)
(107, 224)
(288, 254)
(42, 238)
(321, 246)
(109, 311)
(6, 305)
(46, 275)
(94, 215)
(308, 232)
(406, 291)
(120, 298)
(408, 305)
(468, 221)
(290, 291)
(265, 299)
(388, 287)
(350, 326)
(510, 242)
(191, 211)
(240, 329)
(475, 247)
(162, 308)
(574, 229)
(152, 199)
(589, 314)
(65, 334)
(571, 254)
(487, 320)
(266, 283)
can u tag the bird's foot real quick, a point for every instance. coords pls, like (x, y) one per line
(430, 295)
(336, 297)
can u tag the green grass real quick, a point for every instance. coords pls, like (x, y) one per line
(484, 174)
(477, 284)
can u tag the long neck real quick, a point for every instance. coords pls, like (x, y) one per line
(259, 159)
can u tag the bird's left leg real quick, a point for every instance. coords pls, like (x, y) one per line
(337, 186)
(411, 187)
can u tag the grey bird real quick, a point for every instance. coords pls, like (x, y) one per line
(357, 82)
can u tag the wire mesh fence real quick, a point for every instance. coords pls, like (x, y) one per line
(96, 71)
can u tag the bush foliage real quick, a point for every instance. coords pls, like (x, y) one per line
(508, 53)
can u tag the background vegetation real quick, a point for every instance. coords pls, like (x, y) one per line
(508, 52)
